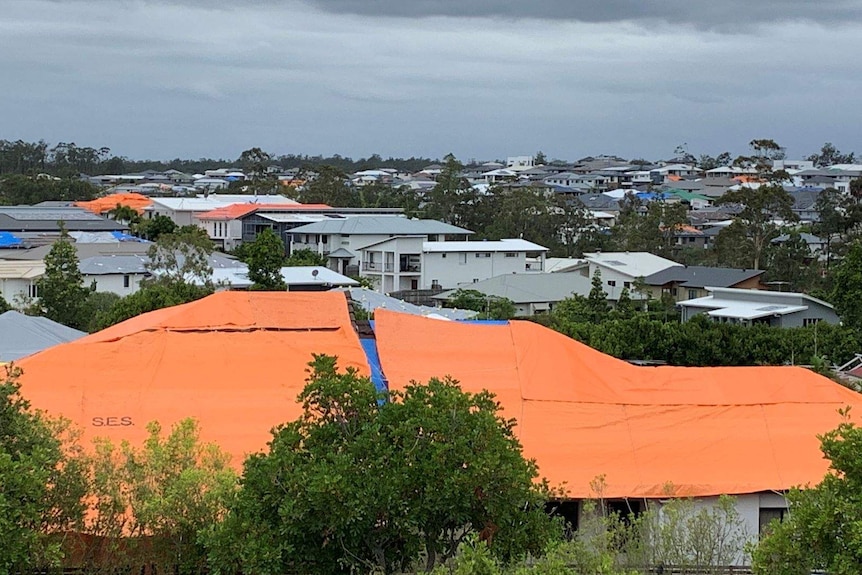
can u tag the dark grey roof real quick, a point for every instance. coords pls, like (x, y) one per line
(701, 276)
(386, 225)
(46, 218)
(599, 202)
(119, 264)
(22, 335)
(804, 199)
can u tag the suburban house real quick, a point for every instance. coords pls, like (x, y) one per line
(816, 245)
(404, 263)
(343, 240)
(186, 211)
(28, 224)
(18, 279)
(690, 282)
(748, 307)
(530, 293)
(120, 274)
(619, 270)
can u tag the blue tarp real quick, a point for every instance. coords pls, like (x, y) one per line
(123, 237)
(369, 346)
(8, 240)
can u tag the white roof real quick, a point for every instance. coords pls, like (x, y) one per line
(21, 269)
(562, 264)
(741, 309)
(506, 245)
(299, 275)
(213, 201)
(633, 264)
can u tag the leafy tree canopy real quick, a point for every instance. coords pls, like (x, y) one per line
(306, 257)
(61, 288)
(265, 257)
(363, 482)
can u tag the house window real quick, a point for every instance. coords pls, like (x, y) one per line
(462, 258)
(809, 321)
(612, 283)
(627, 284)
(673, 291)
(325, 238)
(33, 290)
(511, 254)
(483, 254)
(692, 293)
(443, 256)
(126, 281)
(432, 237)
(768, 515)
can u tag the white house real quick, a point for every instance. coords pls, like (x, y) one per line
(619, 270)
(119, 274)
(410, 263)
(185, 211)
(343, 239)
(18, 279)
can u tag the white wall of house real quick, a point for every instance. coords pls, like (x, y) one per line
(382, 262)
(225, 233)
(613, 281)
(456, 269)
(120, 284)
(15, 290)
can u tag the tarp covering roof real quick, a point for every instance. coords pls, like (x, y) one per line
(649, 431)
(236, 361)
(103, 205)
(22, 335)
(9, 240)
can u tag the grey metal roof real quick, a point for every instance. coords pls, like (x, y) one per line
(22, 335)
(701, 276)
(45, 218)
(370, 300)
(371, 225)
(119, 264)
(530, 288)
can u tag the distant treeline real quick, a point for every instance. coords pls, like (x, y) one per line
(69, 159)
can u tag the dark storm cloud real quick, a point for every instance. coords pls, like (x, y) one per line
(701, 13)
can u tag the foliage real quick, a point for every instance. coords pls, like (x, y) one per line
(41, 484)
(847, 287)
(329, 186)
(792, 262)
(155, 227)
(61, 288)
(700, 341)
(149, 298)
(733, 247)
(452, 199)
(830, 155)
(306, 257)
(822, 528)
(650, 227)
(20, 189)
(265, 257)
(164, 496)
(488, 306)
(181, 257)
(256, 164)
(96, 308)
(358, 484)
(760, 206)
(4, 305)
(125, 214)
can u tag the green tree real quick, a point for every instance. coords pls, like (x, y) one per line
(96, 308)
(181, 257)
(624, 308)
(61, 288)
(125, 214)
(155, 227)
(265, 259)
(411, 476)
(830, 155)
(256, 164)
(792, 262)
(306, 257)
(41, 484)
(20, 189)
(166, 495)
(4, 305)
(452, 199)
(760, 207)
(487, 306)
(149, 298)
(329, 186)
(847, 287)
(597, 300)
(822, 528)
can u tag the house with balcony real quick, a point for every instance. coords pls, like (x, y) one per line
(345, 239)
(410, 263)
(751, 307)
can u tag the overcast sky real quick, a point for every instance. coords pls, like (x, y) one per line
(483, 79)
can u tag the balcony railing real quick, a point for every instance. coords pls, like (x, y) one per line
(378, 267)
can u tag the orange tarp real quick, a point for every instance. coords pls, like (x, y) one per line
(235, 361)
(649, 431)
(104, 205)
